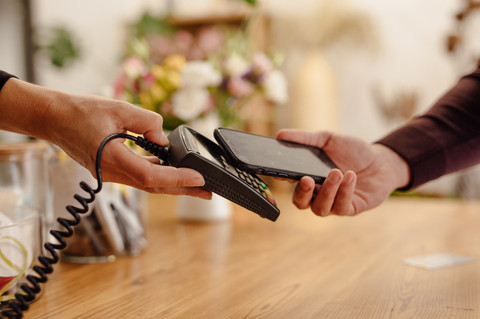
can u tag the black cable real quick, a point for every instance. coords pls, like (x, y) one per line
(15, 307)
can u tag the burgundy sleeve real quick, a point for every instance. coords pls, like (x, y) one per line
(446, 138)
(4, 76)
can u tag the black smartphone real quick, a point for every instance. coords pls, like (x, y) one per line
(268, 156)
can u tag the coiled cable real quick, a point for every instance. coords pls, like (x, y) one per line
(15, 307)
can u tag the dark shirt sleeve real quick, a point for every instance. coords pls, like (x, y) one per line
(446, 138)
(4, 76)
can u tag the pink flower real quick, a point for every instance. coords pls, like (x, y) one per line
(210, 40)
(196, 53)
(133, 67)
(238, 87)
(183, 41)
(261, 64)
(136, 86)
(160, 47)
(148, 79)
(166, 107)
(120, 85)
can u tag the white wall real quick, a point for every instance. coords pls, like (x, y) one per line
(11, 41)
(99, 27)
(412, 57)
(410, 54)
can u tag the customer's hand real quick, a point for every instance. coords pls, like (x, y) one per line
(370, 173)
(79, 123)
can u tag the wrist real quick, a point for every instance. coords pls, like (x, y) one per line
(26, 108)
(396, 165)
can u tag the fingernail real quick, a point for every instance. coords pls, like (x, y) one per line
(348, 178)
(304, 187)
(199, 181)
(334, 177)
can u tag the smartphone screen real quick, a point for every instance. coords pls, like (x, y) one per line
(269, 156)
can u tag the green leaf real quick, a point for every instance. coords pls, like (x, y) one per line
(150, 24)
(60, 48)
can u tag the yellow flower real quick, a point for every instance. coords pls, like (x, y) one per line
(171, 82)
(146, 100)
(158, 92)
(174, 62)
(174, 80)
(158, 71)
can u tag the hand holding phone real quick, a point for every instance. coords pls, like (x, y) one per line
(264, 155)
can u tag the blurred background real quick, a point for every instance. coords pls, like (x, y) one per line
(359, 67)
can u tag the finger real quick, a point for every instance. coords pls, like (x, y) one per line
(147, 174)
(152, 159)
(145, 122)
(343, 201)
(120, 177)
(288, 180)
(190, 191)
(303, 194)
(318, 139)
(325, 198)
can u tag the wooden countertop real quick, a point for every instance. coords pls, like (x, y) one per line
(301, 266)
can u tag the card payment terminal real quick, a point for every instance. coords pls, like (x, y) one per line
(188, 148)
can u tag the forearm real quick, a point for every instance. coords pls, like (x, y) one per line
(446, 138)
(27, 108)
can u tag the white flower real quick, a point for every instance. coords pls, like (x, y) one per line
(235, 65)
(275, 86)
(200, 74)
(190, 102)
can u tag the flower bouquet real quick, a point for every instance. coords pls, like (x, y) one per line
(207, 75)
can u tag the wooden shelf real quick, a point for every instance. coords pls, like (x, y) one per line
(192, 22)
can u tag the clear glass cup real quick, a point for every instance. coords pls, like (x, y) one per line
(24, 179)
(25, 211)
(20, 246)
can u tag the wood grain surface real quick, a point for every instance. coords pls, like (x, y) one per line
(301, 266)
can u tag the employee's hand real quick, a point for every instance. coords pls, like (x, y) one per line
(79, 123)
(370, 173)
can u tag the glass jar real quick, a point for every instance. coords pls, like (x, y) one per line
(20, 246)
(25, 211)
(24, 179)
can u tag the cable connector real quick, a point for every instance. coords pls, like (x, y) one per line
(153, 148)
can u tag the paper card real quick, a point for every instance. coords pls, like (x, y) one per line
(437, 261)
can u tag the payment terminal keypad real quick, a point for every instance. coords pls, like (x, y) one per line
(252, 180)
